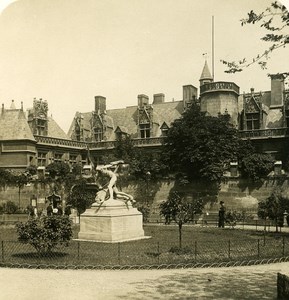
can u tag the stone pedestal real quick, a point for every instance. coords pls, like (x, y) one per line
(112, 221)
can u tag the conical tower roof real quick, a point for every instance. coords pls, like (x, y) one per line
(206, 74)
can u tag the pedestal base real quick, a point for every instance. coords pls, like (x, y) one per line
(112, 221)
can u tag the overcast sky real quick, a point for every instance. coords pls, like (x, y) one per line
(68, 51)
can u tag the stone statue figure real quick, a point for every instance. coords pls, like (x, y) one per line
(109, 174)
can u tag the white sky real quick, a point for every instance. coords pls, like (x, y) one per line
(68, 51)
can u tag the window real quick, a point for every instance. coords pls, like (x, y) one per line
(41, 159)
(40, 126)
(57, 157)
(144, 131)
(77, 133)
(164, 129)
(253, 121)
(98, 134)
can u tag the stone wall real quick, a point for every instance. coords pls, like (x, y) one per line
(236, 193)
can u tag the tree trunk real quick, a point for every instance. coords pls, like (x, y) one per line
(276, 224)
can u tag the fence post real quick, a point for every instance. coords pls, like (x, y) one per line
(283, 246)
(229, 249)
(196, 249)
(78, 250)
(2, 248)
(258, 248)
(159, 253)
(264, 238)
(118, 252)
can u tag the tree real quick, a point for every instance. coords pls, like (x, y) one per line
(180, 209)
(45, 233)
(124, 148)
(257, 165)
(20, 180)
(80, 196)
(58, 169)
(273, 207)
(5, 177)
(201, 146)
(275, 20)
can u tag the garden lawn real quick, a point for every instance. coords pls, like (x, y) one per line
(199, 245)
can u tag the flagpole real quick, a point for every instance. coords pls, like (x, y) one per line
(213, 49)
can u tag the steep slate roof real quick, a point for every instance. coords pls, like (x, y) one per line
(126, 118)
(55, 131)
(14, 126)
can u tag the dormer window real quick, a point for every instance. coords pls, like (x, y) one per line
(164, 129)
(40, 126)
(253, 121)
(145, 130)
(98, 134)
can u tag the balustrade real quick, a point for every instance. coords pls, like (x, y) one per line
(94, 145)
(265, 133)
(219, 86)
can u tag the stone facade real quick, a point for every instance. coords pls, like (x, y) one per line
(34, 138)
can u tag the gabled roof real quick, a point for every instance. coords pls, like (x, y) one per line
(14, 126)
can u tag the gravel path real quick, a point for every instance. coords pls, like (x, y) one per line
(250, 282)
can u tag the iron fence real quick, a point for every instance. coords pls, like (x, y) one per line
(141, 253)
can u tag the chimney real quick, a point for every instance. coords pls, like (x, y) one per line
(159, 98)
(100, 104)
(143, 100)
(277, 89)
(189, 93)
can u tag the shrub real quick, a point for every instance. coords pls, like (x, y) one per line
(9, 207)
(45, 233)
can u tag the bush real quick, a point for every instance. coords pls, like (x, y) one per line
(45, 233)
(8, 208)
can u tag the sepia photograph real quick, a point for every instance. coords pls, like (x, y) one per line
(144, 149)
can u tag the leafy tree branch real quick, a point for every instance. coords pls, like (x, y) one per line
(275, 20)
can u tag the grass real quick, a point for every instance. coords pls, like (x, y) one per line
(199, 244)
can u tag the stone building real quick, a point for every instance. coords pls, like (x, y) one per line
(34, 138)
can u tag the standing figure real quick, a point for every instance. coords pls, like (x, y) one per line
(222, 211)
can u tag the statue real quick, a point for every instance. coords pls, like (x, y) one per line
(109, 173)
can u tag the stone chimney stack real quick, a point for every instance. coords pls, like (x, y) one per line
(277, 89)
(159, 98)
(189, 93)
(143, 100)
(100, 104)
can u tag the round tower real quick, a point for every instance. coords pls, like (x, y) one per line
(218, 97)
